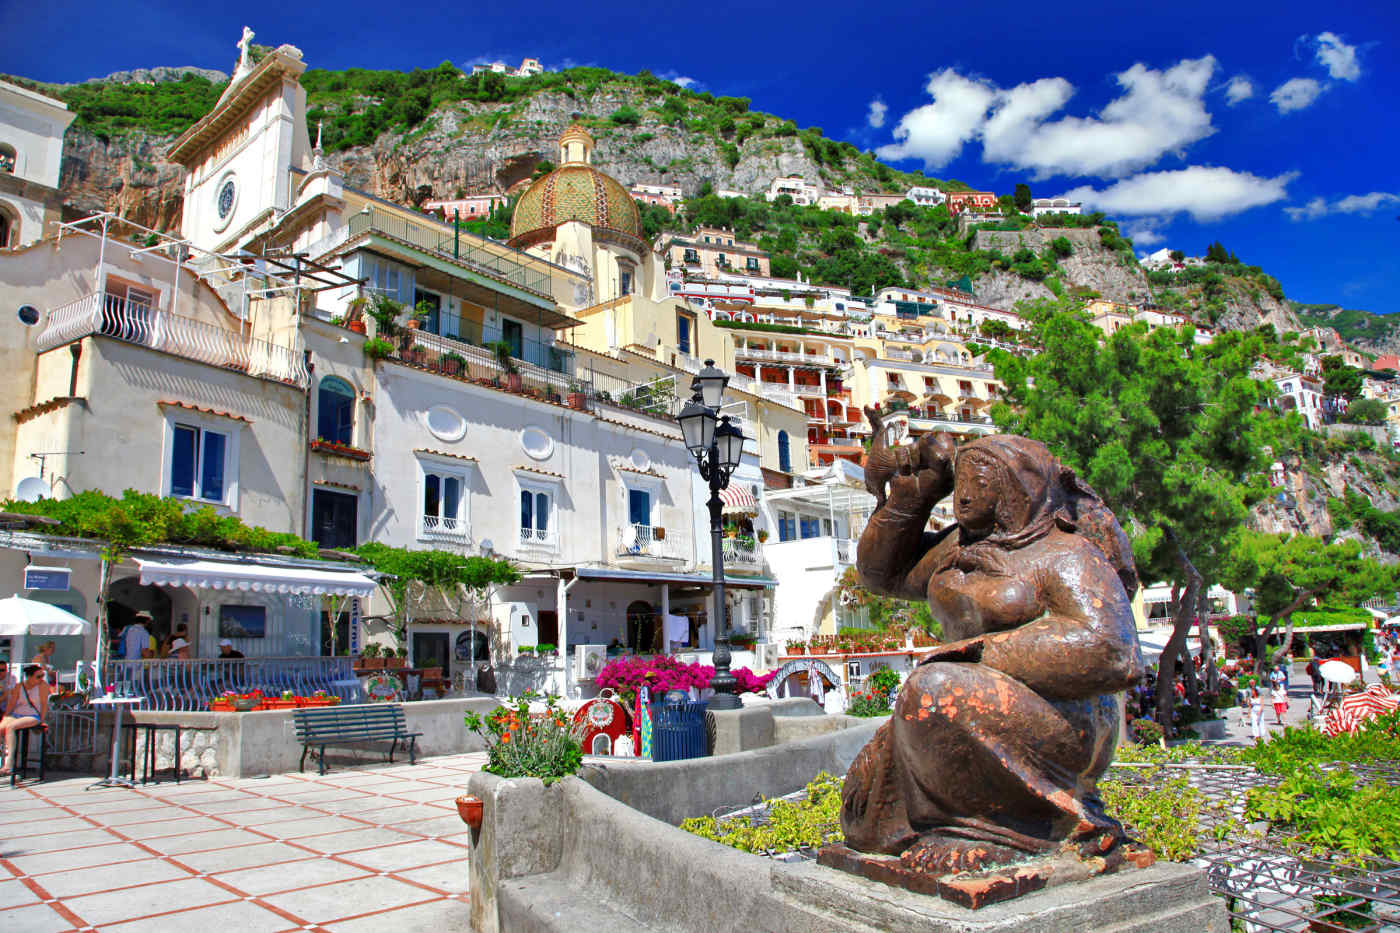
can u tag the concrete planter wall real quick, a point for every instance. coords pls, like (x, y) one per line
(264, 742)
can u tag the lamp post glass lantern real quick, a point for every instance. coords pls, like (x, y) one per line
(718, 446)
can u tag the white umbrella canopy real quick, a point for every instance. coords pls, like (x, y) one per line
(1337, 672)
(19, 616)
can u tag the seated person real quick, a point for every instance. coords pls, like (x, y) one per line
(26, 704)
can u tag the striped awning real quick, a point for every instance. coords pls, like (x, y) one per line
(255, 578)
(738, 501)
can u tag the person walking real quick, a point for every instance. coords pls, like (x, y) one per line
(1279, 695)
(1256, 712)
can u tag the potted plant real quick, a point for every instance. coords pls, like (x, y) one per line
(796, 647)
(420, 313)
(762, 535)
(377, 348)
(247, 702)
(545, 650)
(355, 314)
(577, 399)
(398, 659)
(658, 533)
(514, 381)
(470, 809)
(454, 363)
(371, 658)
(385, 312)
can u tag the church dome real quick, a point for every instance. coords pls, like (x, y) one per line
(575, 191)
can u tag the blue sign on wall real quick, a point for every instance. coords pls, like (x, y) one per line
(46, 578)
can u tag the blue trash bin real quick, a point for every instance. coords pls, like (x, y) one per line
(678, 728)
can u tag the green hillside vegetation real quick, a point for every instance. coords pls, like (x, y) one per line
(1353, 325)
(1204, 290)
(358, 105)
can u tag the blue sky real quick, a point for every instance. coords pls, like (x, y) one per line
(1272, 126)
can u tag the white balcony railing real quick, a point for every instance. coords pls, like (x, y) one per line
(445, 529)
(845, 550)
(537, 539)
(140, 324)
(644, 541)
(739, 553)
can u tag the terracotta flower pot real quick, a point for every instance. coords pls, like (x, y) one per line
(578, 401)
(356, 326)
(470, 808)
(515, 382)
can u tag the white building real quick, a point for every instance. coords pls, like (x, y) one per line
(1303, 394)
(527, 68)
(31, 154)
(796, 187)
(1043, 206)
(817, 527)
(926, 197)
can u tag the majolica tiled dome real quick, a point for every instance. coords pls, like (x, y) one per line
(573, 191)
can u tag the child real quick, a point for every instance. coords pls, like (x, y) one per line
(1280, 697)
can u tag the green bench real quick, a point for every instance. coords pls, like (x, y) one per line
(348, 725)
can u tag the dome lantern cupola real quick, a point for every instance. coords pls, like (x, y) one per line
(575, 146)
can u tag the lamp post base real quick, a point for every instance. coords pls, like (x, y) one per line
(724, 701)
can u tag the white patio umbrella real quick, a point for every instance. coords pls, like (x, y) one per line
(19, 616)
(1337, 672)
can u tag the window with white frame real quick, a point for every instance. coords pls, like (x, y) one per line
(202, 460)
(537, 519)
(445, 499)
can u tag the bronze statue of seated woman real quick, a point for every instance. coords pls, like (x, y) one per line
(998, 737)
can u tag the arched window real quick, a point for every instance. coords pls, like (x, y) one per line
(7, 159)
(784, 453)
(335, 410)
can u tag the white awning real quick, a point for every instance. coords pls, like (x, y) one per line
(254, 578)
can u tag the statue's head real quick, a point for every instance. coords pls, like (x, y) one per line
(1001, 484)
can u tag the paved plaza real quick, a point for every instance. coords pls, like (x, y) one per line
(379, 847)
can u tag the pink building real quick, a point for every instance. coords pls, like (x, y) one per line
(475, 207)
(973, 200)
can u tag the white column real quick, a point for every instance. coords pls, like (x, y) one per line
(792, 381)
(561, 606)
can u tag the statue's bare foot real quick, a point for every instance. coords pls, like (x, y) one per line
(934, 854)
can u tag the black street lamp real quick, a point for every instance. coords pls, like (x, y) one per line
(717, 446)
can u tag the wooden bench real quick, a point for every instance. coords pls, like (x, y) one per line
(344, 725)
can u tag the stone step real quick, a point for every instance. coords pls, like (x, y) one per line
(549, 904)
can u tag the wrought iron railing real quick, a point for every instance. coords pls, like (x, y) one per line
(644, 541)
(742, 553)
(189, 685)
(438, 238)
(141, 324)
(458, 358)
(537, 539)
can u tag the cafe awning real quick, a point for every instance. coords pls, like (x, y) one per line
(738, 500)
(253, 578)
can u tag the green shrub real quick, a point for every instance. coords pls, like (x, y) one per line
(519, 743)
(625, 116)
(807, 823)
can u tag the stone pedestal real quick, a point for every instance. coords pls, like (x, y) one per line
(1163, 898)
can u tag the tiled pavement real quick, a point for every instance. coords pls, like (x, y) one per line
(375, 847)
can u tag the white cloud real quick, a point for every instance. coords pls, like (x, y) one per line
(876, 116)
(678, 79)
(1337, 57)
(1144, 232)
(1295, 94)
(1206, 193)
(1159, 112)
(1240, 88)
(1351, 204)
(936, 132)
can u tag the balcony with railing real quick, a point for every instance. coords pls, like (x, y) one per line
(538, 540)
(443, 528)
(741, 553)
(143, 325)
(645, 543)
(497, 262)
(453, 357)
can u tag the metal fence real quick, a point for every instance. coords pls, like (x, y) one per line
(188, 686)
(497, 262)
